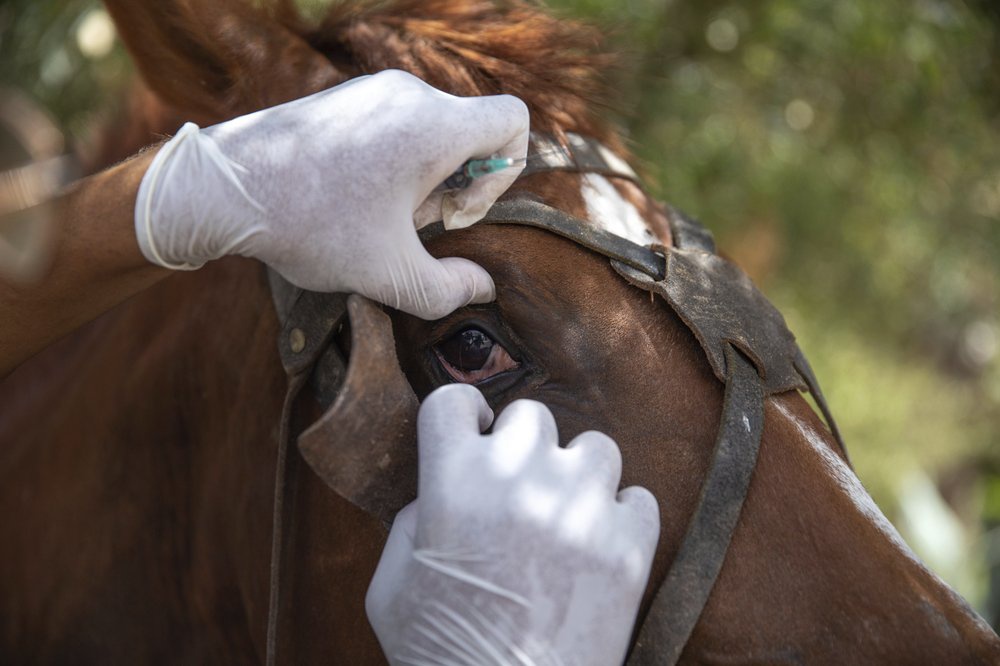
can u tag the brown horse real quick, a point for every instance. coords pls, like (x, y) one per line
(138, 455)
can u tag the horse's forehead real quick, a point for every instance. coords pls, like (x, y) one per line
(609, 210)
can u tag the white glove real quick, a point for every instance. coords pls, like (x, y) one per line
(516, 551)
(325, 189)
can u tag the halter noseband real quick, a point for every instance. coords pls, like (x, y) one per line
(745, 340)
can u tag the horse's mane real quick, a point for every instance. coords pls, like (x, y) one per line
(479, 47)
(214, 59)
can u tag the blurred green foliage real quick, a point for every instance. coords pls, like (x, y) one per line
(845, 153)
(60, 54)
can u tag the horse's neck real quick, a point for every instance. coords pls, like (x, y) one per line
(145, 444)
(826, 574)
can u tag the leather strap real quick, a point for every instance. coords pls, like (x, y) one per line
(283, 515)
(309, 320)
(682, 596)
(720, 305)
(688, 233)
(529, 212)
(715, 299)
(802, 365)
(360, 447)
(373, 467)
(579, 154)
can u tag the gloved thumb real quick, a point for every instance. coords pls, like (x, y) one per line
(437, 287)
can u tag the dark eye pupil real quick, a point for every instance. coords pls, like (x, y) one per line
(467, 350)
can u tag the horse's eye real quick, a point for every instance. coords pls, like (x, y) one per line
(471, 355)
(467, 350)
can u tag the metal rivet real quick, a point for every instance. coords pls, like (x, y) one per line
(297, 340)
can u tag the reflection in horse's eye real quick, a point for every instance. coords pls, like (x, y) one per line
(471, 355)
(467, 350)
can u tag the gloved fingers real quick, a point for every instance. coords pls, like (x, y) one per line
(393, 567)
(640, 516)
(502, 122)
(432, 288)
(505, 123)
(449, 416)
(525, 423)
(465, 207)
(598, 458)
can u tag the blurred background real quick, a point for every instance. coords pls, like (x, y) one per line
(845, 154)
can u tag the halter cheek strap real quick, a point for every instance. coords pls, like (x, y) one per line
(684, 593)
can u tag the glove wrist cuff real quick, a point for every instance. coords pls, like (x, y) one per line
(149, 191)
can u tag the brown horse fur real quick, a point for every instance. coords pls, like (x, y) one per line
(137, 456)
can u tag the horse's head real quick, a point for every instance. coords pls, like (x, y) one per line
(812, 573)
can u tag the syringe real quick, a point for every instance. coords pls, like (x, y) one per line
(477, 168)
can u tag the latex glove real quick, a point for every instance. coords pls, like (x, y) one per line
(516, 551)
(325, 189)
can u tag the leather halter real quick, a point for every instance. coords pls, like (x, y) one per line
(744, 338)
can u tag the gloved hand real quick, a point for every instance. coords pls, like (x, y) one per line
(325, 189)
(516, 550)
